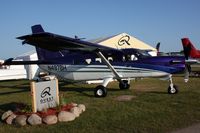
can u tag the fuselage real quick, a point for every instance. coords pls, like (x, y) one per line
(98, 72)
(80, 66)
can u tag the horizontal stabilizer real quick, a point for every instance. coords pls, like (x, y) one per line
(11, 62)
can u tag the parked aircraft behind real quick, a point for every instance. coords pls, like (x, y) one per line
(189, 49)
(192, 56)
(76, 60)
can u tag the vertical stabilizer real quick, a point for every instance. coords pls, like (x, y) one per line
(44, 54)
(40, 52)
(37, 29)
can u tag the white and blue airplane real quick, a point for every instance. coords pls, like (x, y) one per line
(76, 60)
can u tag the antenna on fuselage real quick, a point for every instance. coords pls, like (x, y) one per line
(61, 54)
(77, 38)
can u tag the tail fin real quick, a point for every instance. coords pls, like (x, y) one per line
(41, 53)
(44, 54)
(37, 29)
(189, 49)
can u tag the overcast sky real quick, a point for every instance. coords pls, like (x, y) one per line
(151, 21)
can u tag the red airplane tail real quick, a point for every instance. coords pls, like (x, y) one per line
(189, 49)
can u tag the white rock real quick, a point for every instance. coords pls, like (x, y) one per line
(82, 108)
(65, 116)
(6, 114)
(20, 120)
(10, 119)
(75, 111)
(74, 104)
(34, 119)
(50, 119)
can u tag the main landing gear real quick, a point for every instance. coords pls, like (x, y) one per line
(124, 85)
(101, 91)
(172, 89)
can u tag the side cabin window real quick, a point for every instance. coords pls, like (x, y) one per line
(129, 57)
(110, 59)
(133, 57)
(81, 61)
(76, 62)
(98, 60)
(88, 61)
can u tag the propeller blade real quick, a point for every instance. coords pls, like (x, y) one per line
(187, 72)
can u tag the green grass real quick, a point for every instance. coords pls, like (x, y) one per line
(152, 109)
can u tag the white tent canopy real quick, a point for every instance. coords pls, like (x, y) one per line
(124, 40)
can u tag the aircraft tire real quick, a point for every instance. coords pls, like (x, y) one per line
(124, 85)
(173, 90)
(100, 91)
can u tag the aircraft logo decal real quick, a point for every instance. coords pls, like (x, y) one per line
(124, 40)
(46, 92)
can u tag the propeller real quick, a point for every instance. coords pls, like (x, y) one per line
(187, 72)
(187, 51)
(188, 68)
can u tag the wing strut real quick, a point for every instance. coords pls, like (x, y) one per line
(118, 77)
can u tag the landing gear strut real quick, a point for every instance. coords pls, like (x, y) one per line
(172, 89)
(124, 84)
(101, 91)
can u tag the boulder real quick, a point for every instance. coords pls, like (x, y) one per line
(75, 111)
(65, 116)
(6, 114)
(34, 119)
(74, 104)
(20, 120)
(50, 119)
(10, 119)
(82, 108)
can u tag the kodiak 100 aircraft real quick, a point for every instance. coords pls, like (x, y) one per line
(76, 60)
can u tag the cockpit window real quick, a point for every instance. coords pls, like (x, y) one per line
(143, 53)
(134, 54)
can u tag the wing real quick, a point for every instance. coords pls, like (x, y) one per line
(192, 61)
(54, 42)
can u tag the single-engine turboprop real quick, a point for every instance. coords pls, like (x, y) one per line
(73, 59)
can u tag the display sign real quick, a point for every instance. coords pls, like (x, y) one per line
(44, 95)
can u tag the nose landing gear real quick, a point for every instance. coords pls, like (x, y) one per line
(172, 89)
